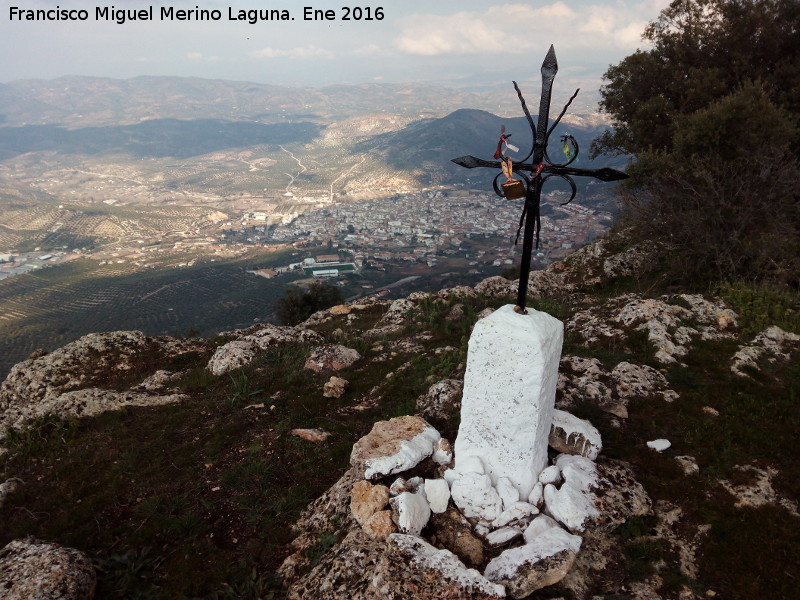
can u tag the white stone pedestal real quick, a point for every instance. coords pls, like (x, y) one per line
(509, 395)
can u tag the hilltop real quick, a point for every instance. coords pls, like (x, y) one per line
(188, 488)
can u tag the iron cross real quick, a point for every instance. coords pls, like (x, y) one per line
(541, 168)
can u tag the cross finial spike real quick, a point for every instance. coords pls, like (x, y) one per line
(550, 64)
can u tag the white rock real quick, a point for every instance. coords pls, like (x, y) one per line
(518, 511)
(442, 452)
(394, 446)
(544, 561)
(551, 474)
(415, 482)
(508, 493)
(399, 486)
(509, 393)
(426, 557)
(450, 475)
(573, 504)
(438, 494)
(474, 494)
(498, 537)
(536, 496)
(659, 445)
(574, 436)
(538, 526)
(410, 512)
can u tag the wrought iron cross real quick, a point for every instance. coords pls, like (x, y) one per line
(541, 168)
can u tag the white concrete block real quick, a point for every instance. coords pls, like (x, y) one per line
(509, 393)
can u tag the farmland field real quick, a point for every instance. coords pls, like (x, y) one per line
(51, 307)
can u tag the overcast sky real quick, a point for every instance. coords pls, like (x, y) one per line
(456, 43)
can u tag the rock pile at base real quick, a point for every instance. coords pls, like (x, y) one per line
(402, 524)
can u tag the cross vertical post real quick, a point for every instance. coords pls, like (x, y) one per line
(541, 168)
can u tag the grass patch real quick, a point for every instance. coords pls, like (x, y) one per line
(760, 306)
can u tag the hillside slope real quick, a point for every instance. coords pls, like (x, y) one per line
(214, 448)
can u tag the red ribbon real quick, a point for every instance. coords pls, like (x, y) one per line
(499, 152)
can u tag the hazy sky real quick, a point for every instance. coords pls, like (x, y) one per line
(457, 43)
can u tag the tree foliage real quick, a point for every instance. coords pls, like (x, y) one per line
(298, 304)
(711, 115)
(701, 51)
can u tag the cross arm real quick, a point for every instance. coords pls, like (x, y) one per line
(604, 174)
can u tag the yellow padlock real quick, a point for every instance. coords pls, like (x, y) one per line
(514, 189)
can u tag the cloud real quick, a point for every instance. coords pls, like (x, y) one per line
(515, 28)
(304, 52)
(194, 56)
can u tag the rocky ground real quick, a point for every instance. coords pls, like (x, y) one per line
(141, 459)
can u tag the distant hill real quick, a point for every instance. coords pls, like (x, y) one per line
(95, 101)
(154, 138)
(476, 132)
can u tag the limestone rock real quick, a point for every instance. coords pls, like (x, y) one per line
(437, 493)
(332, 507)
(452, 531)
(572, 435)
(497, 287)
(398, 311)
(536, 497)
(441, 400)
(231, 356)
(632, 261)
(334, 387)
(393, 446)
(84, 403)
(311, 435)
(773, 343)
(510, 381)
(410, 512)
(543, 561)
(399, 486)
(456, 313)
(474, 494)
(502, 536)
(380, 525)
(442, 452)
(33, 570)
(508, 493)
(9, 487)
(518, 514)
(538, 526)
(366, 500)
(346, 571)
(332, 357)
(633, 380)
(249, 344)
(551, 474)
(688, 464)
(584, 379)
(86, 362)
(410, 563)
(659, 445)
(669, 324)
(760, 491)
(340, 309)
(157, 382)
(597, 496)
